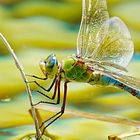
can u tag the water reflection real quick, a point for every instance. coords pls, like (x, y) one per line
(5, 100)
(33, 31)
(32, 137)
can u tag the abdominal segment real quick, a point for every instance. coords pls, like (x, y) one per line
(106, 80)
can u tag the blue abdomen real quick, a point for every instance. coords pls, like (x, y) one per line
(106, 80)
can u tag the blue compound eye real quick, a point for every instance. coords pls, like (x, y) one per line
(51, 61)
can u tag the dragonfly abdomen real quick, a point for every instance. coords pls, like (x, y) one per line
(106, 80)
(128, 88)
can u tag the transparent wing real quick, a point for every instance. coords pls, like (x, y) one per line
(131, 81)
(117, 47)
(104, 65)
(90, 34)
(128, 80)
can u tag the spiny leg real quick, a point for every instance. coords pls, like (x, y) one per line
(37, 77)
(46, 133)
(53, 96)
(58, 114)
(57, 83)
(46, 90)
(52, 84)
(59, 102)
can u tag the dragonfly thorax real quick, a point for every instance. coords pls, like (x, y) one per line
(49, 66)
(77, 70)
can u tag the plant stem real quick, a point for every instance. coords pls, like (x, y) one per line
(87, 115)
(20, 67)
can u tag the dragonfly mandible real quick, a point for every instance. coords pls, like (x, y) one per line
(104, 49)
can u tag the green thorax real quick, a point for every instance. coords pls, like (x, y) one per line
(77, 70)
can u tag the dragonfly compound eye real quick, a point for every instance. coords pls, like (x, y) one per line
(42, 65)
(51, 65)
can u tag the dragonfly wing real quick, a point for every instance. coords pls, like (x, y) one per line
(117, 46)
(115, 66)
(128, 80)
(90, 33)
(105, 65)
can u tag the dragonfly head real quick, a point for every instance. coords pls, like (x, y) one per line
(49, 66)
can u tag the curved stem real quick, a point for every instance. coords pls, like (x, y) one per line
(20, 67)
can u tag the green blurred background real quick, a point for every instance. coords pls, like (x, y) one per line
(36, 28)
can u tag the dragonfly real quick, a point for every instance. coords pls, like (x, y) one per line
(104, 49)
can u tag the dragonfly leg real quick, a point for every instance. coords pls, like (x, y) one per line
(57, 84)
(34, 76)
(52, 84)
(58, 114)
